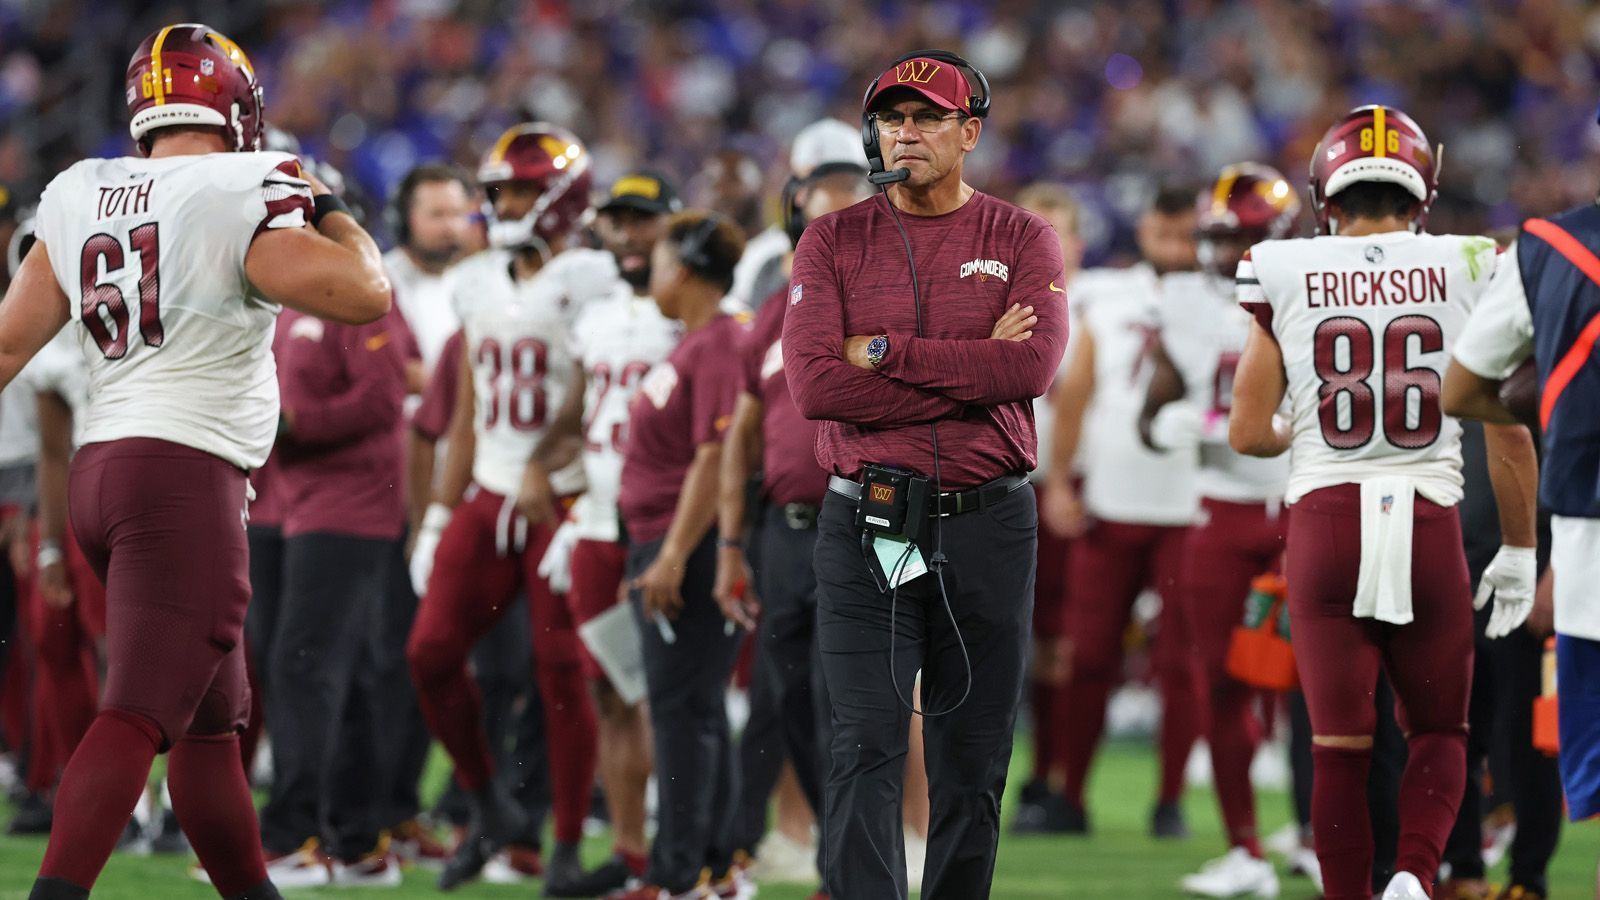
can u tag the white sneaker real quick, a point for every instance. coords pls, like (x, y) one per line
(783, 860)
(1404, 886)
(1283, 842)
(1303, 861)
(306, 867)
(374, 870)
(916, 858)
(1238, 874)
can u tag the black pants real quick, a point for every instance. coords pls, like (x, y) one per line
(989, 583)
(696, 772)
(404, 752)
(1506, 677)
(318, 703)
(787, 682)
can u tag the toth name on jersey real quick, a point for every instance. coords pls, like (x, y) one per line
(1392, 287)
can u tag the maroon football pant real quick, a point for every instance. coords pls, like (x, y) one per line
(477, 572)
(1234, 543)
(597, 570)
(1108, 567)
(1429, 662)
(162, 525)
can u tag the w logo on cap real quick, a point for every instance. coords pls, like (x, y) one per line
(917, 71)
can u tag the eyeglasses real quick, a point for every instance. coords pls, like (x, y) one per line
(927, 121)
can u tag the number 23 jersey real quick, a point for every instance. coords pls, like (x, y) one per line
(518, 345)
(150, 253)
(1365, 325)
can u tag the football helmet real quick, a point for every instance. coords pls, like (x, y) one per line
(192, 74)
(555, 160)
(1249, 203)
(1374, 143)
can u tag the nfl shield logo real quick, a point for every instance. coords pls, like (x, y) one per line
(208, 67)
(1387, 503)
(795, 293)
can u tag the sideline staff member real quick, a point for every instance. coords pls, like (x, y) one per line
(993, 323)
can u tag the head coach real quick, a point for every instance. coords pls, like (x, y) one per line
(921, 325)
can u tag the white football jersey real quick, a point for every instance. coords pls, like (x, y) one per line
(424, 299)
(518, 342)
(1366, 325)
(617, 340)
(1123, 480)
(58, 369)
(1203, 331)
(1044, 408)
(150, 253)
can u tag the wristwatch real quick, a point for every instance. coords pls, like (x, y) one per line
(877, 349)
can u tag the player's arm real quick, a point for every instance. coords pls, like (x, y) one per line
(1063, 511)
(1497, 338)
(1001, 369)
(332, 270)
(463, 439)
(1511, 578)
(561, 443)
(741, 456)
(1254, 426)
(55, 456)
(1166, 392)
(34, 309)
(824, 384)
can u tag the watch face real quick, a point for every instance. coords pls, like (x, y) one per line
(876, 348)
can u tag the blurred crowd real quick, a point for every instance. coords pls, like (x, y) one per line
(1101, 96)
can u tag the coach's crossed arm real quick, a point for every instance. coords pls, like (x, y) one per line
(991, 372)
(824, 384)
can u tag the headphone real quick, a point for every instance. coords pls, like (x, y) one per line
(978, 106)
(694, 249)
(397, 215)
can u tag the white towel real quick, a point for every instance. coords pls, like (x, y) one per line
(1383, 585)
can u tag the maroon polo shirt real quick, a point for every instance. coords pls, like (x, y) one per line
(850, 277)
(340, 470)
(685, 401)
(789, 470)
(432, 418)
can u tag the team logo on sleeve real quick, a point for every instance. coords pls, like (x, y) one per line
(795, 293)
(984, 268)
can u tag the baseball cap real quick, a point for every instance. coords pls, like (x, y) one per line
(825, 142)
(644, 190)
(940, 82)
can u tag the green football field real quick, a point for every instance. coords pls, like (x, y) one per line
(1118, 861)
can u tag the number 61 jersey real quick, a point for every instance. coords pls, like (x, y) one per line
(150, 253)
(519, 347)
(1366, 325)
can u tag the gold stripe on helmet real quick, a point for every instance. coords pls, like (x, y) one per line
(158, 84)
(1380, 138)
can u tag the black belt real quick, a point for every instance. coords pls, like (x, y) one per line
(953, 503)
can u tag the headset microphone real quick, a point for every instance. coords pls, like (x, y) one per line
(890, 177)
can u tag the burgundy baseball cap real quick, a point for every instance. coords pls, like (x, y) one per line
(940, 82)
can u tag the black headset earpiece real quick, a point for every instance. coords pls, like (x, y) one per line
(693, 249)
(398, 213)
(978, 104)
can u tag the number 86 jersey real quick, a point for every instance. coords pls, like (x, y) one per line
(150, 253)
(1365, 325)
(519, 347)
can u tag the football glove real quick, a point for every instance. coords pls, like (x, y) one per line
(1510, 579)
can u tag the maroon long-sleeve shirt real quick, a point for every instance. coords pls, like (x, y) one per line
(340, 470)
(850, 277)
(789, 469)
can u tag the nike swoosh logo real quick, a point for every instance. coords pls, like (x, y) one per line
(377, 341)
(1056, 289)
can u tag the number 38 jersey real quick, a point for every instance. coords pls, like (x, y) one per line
(1366, 325)
(150, 253)
(618, 341)
(518, 345)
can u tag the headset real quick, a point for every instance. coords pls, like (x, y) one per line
(694, 250)
(794, 220)
(977, 106)
(397, 215)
